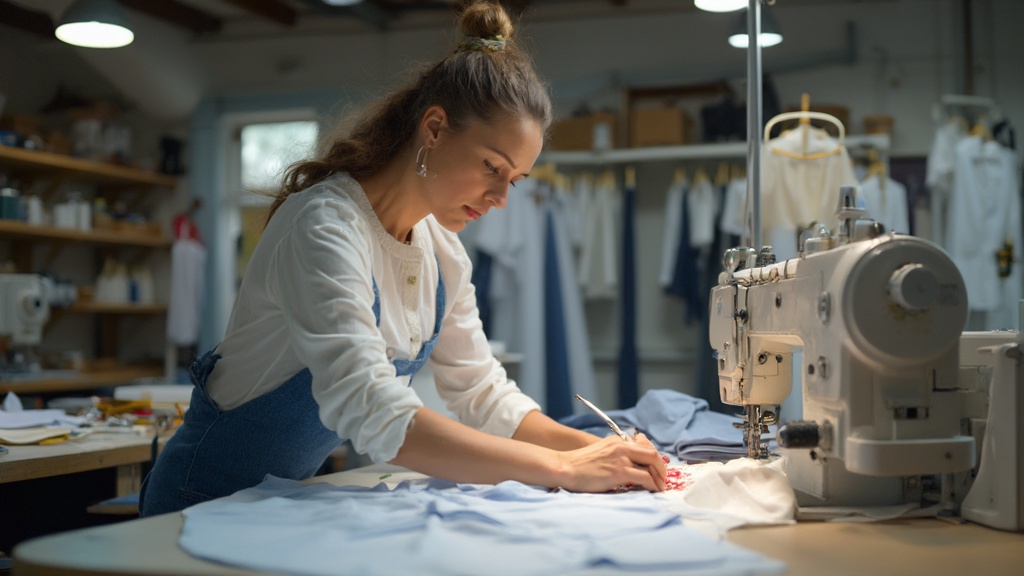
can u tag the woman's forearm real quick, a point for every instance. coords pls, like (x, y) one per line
(537, 428)
(441, 447)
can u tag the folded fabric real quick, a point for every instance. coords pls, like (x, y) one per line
(676, 423)
(435, 527)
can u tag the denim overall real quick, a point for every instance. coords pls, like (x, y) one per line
(217, 452)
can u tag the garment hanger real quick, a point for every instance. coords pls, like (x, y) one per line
(631, 177)
(877, 168)
(738, 171)
(980, 128)
(679, 176)
(805, 115)
(701, 176)
(722, 174)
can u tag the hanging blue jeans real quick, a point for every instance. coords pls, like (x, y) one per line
(629, 371)
(217, 452)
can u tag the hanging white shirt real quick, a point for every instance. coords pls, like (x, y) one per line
(673, 229)
(185, 305)
(798, 191)
(733, 214)
(886, 202)
(701, 204)
(599, 257)
(984, 186)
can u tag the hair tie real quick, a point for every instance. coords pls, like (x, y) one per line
(477, 44)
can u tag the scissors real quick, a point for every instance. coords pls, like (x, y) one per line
(611, 423)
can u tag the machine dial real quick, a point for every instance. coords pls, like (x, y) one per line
(914, 287)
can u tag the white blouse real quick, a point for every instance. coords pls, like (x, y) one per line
(306, 301)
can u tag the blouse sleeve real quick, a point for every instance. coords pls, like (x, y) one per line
(467, 375)
(323, 284)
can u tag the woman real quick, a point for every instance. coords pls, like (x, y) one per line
(359, 277)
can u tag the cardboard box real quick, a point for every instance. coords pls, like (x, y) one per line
(577, 132)
(664, 126)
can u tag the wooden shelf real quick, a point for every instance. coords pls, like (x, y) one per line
(16, 229)
(82, 381)
(126, 308)
(686, 152)
(87, 171)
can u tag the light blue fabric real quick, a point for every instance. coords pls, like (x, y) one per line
(676, 423)
(436, 527)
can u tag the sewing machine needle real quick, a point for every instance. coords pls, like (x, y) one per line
(611, 423)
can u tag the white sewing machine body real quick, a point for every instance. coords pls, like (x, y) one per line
(880, 323)
(24, 310)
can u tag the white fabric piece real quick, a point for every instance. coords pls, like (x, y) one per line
(428, 528)
(185, 305)
(306, 302)
(599, 256)
(984, 187)
(701, 204)
(798, 191)
(733, 216)
(673, 229)
(740, 492)
(886, 202)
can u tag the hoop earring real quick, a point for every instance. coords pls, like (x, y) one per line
(421, 163)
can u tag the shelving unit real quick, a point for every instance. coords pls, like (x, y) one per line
(47, 173)
(723, 150)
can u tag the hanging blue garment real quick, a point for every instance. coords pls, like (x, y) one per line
(481, 280)
(685, 279)
(558, 391)
(629, 372)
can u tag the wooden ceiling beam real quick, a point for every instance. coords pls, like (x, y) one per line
(177, 13)
(273, 9)
(15, 16)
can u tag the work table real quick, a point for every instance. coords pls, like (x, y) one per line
(912, 546)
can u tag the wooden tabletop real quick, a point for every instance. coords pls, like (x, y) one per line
(92, 452)
(919, 546)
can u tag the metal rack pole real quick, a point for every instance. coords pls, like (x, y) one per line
(754, 121)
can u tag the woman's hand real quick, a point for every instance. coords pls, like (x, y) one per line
(611, 463)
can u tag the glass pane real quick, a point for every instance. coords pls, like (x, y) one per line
(268, 149)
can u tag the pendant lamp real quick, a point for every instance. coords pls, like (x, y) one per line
(720, 5)
(94, 24)
(770, 34)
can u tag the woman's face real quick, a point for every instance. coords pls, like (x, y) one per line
(476, 167)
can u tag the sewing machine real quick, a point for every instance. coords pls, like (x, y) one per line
(24, 310)
(894, 394)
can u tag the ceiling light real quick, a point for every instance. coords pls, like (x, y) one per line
(342, 2)
(770, 34)
(94, 24)
(721, 5)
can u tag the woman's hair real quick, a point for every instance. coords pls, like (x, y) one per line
(486, 76)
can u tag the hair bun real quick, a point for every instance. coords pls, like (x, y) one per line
(486, 20)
